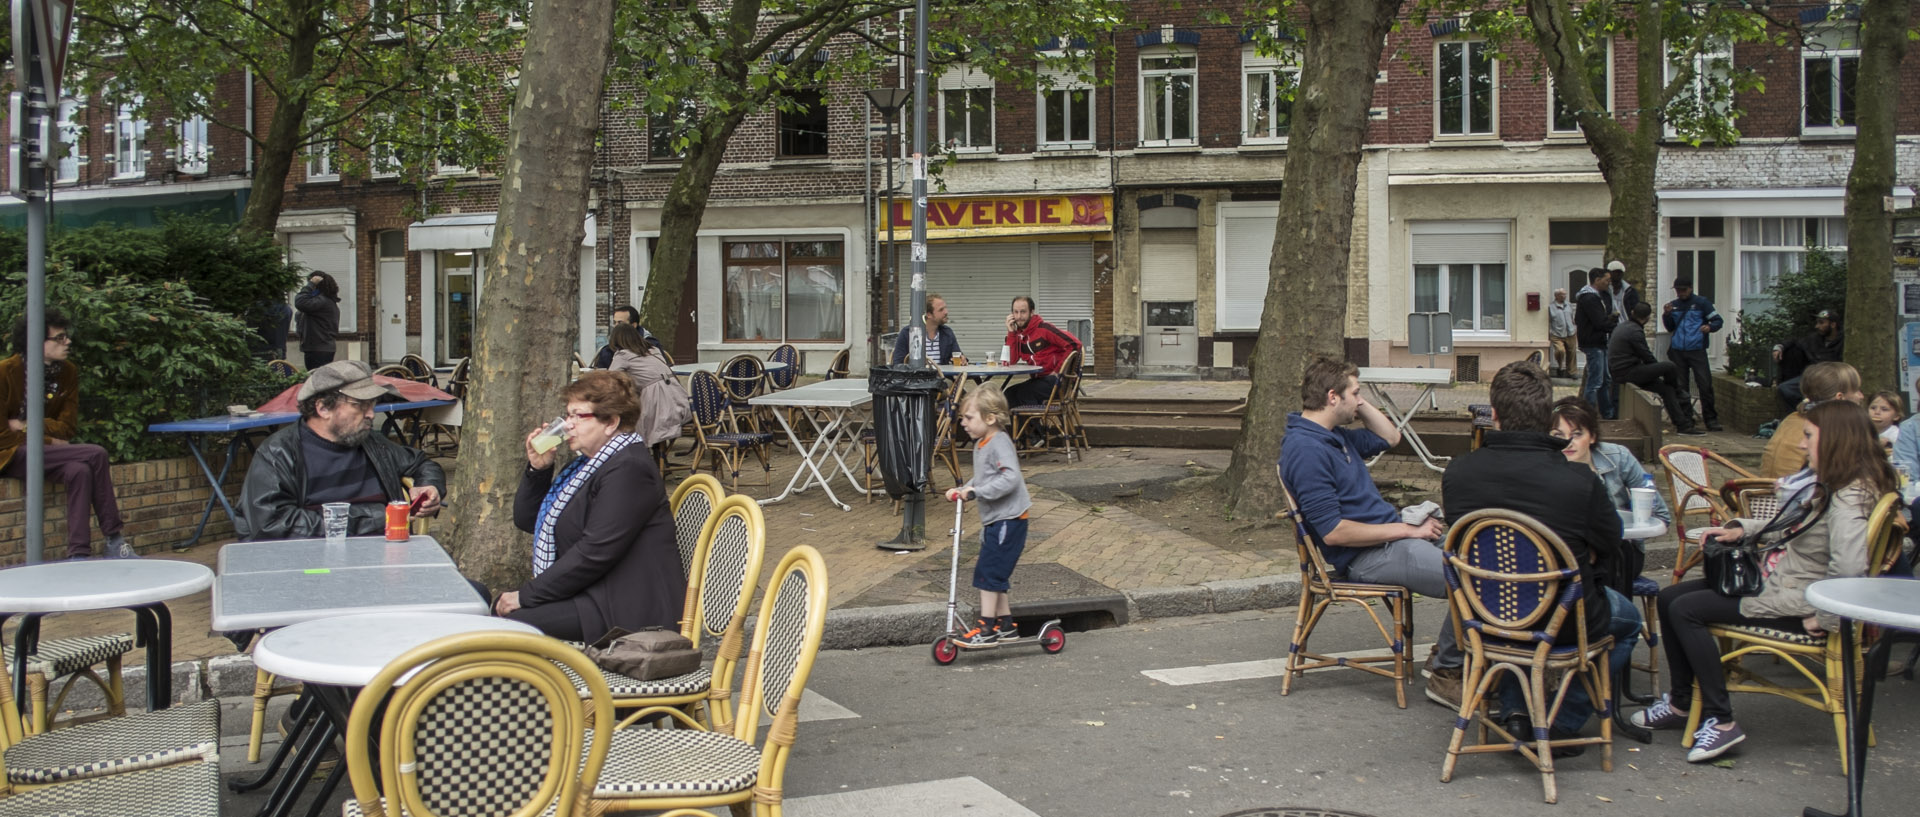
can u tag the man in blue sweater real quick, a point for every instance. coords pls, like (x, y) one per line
(1324, 464)
(1691, 319)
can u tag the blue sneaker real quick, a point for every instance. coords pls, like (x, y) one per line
(1710, 741)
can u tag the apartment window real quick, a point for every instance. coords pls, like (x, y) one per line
(1266, 101)
(1599, 76)
(384, 159)
(1464, 84)
(1709, 96)
(129, 141)
(803, 128)
(1462, 267)
(966, 109)
(1066, 111)
(1169, 101)
(193, 146)
(1772, 247)
(448, 162)
(666, 128)
(385, 17)
(785, 291)
(321, 159)
(68, 132)
(1829, 72)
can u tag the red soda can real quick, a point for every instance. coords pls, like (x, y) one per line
(397, 520)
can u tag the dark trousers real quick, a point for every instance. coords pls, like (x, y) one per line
(1033, 392)
(1693, 656)
(83, 468)
(1692, 365)
(315, 360)
(1664, 380)
(558, 619)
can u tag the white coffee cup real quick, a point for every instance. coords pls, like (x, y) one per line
(1641, 501)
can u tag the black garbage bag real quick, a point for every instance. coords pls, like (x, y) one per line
(903, 423)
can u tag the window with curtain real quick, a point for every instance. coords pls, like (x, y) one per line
(1169, 105)
(194, 145)
(784, 291)
(1462, 268)
(1267, 88)
(129, 141)
(68, 128)
(1772, 247)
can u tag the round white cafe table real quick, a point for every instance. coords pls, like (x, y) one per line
(1632, 530)
(140, 585)
(1887, 602)
(348, 651)
(982, 370)
(713, 367)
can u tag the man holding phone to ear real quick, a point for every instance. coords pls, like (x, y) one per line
(333, 455)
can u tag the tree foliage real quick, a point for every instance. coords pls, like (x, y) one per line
(231, 273)
(386, 77)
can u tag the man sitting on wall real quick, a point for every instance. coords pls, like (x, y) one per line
(1032, 340)
(82, 467)
(942, 347)
(332, 455)
(1632, 362)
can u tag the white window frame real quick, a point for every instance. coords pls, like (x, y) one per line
(383, 160)
(966, 81)
(1448, 269)
(1750, 241)
(1553, 99)
(1466, 96)
(1254, 64)
(194, 145)
(321, 166)
(1066, 84)
(67, 129)
(129, 141)
(1149, 76)
(442, 167)
(1714, 65)
(1834, 44)
(395, 11)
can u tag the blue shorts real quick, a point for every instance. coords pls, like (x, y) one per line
(1000, 546)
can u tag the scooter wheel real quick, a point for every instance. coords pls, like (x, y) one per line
(944, 651)
(1053, 640)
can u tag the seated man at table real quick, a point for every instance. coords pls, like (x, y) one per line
(1324, 464)
(332, 455)
(1521, 468)
(82, 467)
(942, 347)
(1032, 340)
(628, 315)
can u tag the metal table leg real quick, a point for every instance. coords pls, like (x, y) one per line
(216, 483)
(1403, 423)
(26, 640)
(801, 479)
(1858, 694)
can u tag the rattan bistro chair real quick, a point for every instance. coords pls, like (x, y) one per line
(1319, 592)
(684, 770)
(1692, 474)
(1750, 498)
(1052, 418)
(1513, 585)
(84, 752)
(181, 790)
(1816, 657)
(718, 596)
(693, 502)
(838, 368)
(478, 723)
(714, 434)
(71, 659)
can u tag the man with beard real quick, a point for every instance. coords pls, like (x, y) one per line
(332, 455)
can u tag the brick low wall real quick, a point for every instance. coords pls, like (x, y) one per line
(159, 499)
(1743, 409)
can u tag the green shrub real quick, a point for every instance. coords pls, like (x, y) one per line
(1820, 284)
(148, 352)
(235, 273)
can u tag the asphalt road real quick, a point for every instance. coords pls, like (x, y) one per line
(1016, 732)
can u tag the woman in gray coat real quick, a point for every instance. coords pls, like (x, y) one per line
(664, 405)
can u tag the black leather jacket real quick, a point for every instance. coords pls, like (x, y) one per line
(273, 505)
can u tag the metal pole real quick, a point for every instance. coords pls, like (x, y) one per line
(32, 186)
(917, 345)
(893, 254)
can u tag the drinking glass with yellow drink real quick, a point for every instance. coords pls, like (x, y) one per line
(550, 437)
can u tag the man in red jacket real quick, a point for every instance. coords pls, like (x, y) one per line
(1032, 340)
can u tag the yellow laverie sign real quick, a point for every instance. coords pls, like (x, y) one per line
(1004, 216)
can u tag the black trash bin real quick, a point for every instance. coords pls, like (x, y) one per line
(903, 423)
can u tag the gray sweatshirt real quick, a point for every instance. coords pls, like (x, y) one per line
(997, 484)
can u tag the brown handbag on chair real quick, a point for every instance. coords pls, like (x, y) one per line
(647, 655)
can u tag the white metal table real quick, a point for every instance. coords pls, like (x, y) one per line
(277, 583)
(1889, 603)
(140, 585)
(838, 400)
(1376, 379)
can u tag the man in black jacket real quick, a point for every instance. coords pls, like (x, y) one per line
(1825, 344)
(1632, 362)
(1520, 468)
(1593, 321)
(332, 455)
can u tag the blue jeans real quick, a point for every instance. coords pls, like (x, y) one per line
(1599, 386)
(1623, 623)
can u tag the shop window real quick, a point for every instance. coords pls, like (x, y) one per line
(459, 294)
(1464, 84)
(784, 291)
(1169, 103)
(1267, 88)
(966, 109)
(1461, 267)
(803, 124)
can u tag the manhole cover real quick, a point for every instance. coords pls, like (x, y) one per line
(1293, 811)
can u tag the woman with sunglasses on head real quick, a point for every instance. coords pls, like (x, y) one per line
(604, 554)
(1821, 532)
(1575, 421)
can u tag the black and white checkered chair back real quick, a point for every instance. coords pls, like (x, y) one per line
(478, 725)
(736, 541)
(786, 638)
(693, 504)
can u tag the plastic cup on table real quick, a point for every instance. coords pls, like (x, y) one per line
(335, 515)
(1641, 500)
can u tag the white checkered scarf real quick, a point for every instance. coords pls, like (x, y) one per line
(565, 484)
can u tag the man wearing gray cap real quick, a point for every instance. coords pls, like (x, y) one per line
(332, 455)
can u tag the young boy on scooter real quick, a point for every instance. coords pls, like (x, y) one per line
(1003, 503)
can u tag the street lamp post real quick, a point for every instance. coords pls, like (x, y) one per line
(889, 101)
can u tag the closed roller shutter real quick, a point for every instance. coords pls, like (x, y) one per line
(979, 282)
(329, 253)
(1167, 261)
(1065, 292)
(1244, 262)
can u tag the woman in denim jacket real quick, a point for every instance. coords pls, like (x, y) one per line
(1575, 421)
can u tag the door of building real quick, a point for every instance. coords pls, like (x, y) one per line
(390, 278)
